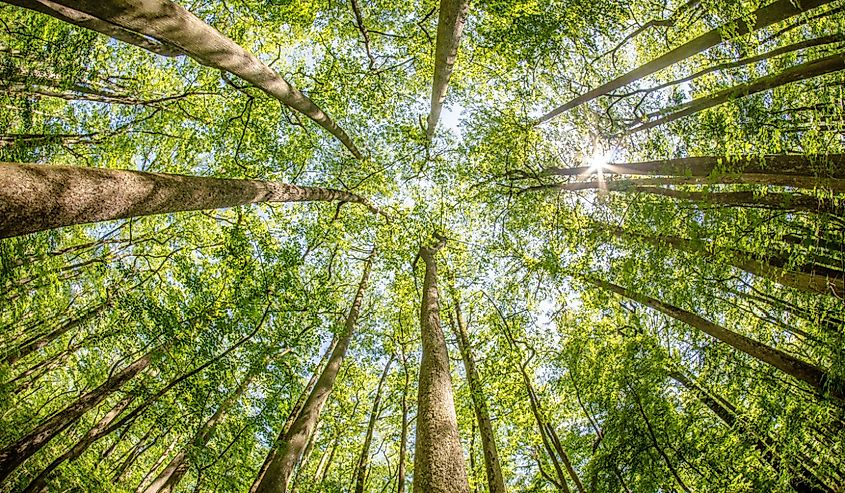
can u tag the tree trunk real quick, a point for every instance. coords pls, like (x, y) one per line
(163, 457)
(450, 26)
(657, 446)
(171, 25)
(808, 70)
(403, 432)
(801, 165)
(37, 197)
(364, 458)
(763, 17)
(439, 465)
(325, 462)
(495, 481)
(18, 452)
(293, 443)
(800, 370)
(35, 343)
(764, 445)
(93, 434)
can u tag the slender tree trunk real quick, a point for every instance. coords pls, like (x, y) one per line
(325, 462)
(439, 465)
(139, 448)
(808, 70)
(38, 197)
(403, 432)
(800, 370)
(364, 458)
(763, 17)
(171, 25)
(35, 343)
(657, 446)
(495, 481)
(293, 443)
(799, 165)
(18, 452)
(450, 26)
(93, 434)
(163, 457)
(764, 445)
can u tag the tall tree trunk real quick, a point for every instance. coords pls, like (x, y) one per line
(293, 443)
(93, 434)
(171, 25)
(450, 26)
(37, 342)
(294, 413)
(808, 70)
(18, 452)
(727, 413)
(811, 166)
(403, 431)
(163, 457)
(37, 197)
(495, 481)
(364, 458)
(326, 462)
(439, 465)
(169, 478)
(800, 370)
(763, 17)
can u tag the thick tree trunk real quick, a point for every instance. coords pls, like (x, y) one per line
(290, 449)
(450, 25)
(439, 465)
(18, 452)
(37, 197)
(800, 370)
(763, 17)
(808, 70)
(727, 413)
(93, 434)
(171, 25)
(495, 481)
(364, 458)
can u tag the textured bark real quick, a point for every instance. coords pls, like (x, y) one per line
(38, 197)
(802, 480)
(364, 457)
(800, 370)
(439, 465)
(808, 70)
(170, 24)
(93, 434)
(450, 26)
(35, 343)
(763, 17)
(290, 449)
(82, 19)
(18, 452)
(492, 467)
(798, 165)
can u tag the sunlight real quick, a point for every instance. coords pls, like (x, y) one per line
(598, 160)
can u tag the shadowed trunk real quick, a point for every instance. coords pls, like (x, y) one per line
(37, 197)
(292, 444)
(364, 458)
(495, 481)
(450, 25)
(762, 17)
(171, 25)
(439, 465)
(18, 452)
(800, 370)
(808, 70)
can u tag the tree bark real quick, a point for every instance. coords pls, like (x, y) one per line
(18, 452)
(763, 17)
(439, 465)
(35, 343)
(808, 70)
(403, 432)
(38, 197)
(492, 467)
(290, 449)
(170, 24)
(364, 458)
(450, 26)
(798, 369)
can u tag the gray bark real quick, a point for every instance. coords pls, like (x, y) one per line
(450, 26)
